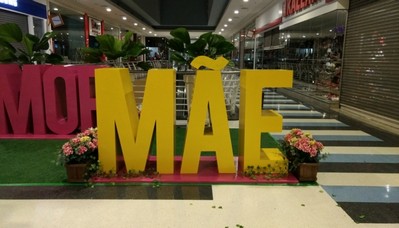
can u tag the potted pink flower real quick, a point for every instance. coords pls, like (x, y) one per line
(79, 154)
(302, 150)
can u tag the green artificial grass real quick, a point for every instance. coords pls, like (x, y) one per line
(30, 161)
(33, 161)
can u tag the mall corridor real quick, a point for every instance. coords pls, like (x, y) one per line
(358, 186)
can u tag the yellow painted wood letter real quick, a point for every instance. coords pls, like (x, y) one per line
(253, 120)
(208, 95)
(117, 116)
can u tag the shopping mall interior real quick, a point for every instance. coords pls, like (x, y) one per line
(339, 57)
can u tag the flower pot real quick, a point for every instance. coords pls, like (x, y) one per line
(76, 172)
(306, 171)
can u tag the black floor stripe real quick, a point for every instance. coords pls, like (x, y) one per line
(359, 167)
(372, 212)
(123, 192)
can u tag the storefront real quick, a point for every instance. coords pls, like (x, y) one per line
(75, 30)
(370, 86)
(306, 37)
(29, 15)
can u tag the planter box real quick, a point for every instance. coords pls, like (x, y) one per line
(76, 172)
(307, 171)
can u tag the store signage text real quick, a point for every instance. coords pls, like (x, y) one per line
(293, 6)
(10, 2)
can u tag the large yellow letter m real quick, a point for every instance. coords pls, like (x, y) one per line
(117, 118)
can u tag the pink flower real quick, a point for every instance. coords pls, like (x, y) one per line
(82, 150)
(76, 140)
(67, 149)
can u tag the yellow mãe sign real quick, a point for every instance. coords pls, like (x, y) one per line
(119, 125)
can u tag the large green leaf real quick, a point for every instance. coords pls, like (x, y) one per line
(127, 42)
(54, 59)
(181, 34)
(29, 41)
(197, 48)
(107, 43)
(177, 58)
(6, 45)
(206, 36)
(136, 49)
(24, 59)
(10, 32)
(224, 48)
(7, 56)
(91, 55)
(43, 43)
(176, 45)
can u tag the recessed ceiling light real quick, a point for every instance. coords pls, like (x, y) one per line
(55, 9)
(245, 0)
(222, 30)
(155, 34)
(317, 34)
(150, 32)
(108, 9)
(81, 18)
(225, 25)
(143, 28)
(135, 24)
(280, 12)
(112, 28)
(124, 18)
(236, 12)
(230, 19)
(303, 36)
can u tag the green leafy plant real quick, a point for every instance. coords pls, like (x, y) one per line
(208, 44)
(115, 49)
(266, 172)
(34, 47)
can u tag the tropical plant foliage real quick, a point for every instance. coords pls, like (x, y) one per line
(208, 44)
(34, 47)
(113, 49)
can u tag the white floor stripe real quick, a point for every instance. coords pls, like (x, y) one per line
(358, 179)
(329, 132)
(361, 150)
(286, 120)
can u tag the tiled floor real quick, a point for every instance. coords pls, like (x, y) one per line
(358, 187)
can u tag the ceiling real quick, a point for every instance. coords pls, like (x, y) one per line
(158, 17)
(169, 14)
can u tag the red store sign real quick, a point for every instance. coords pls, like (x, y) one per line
(293, 6)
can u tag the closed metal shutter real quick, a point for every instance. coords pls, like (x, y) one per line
(371, 60)
(19, 19)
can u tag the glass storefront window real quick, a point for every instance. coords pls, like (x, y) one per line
(38, 26)
(313, 50)
(249, 46)
(69, 37)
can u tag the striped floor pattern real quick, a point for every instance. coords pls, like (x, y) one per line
(361, 172)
